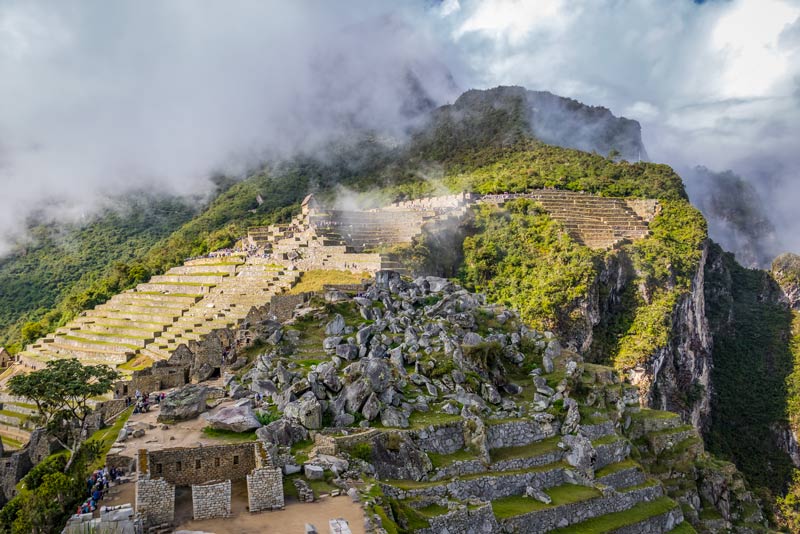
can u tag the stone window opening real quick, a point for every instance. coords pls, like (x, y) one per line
(177, 466)
(159, 468)
(197, 464)
(216, 462)
(235, 460)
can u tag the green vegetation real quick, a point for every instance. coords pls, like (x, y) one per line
(228, 435)
(752, 361)
(315, 280)
(615, 468)
(521, 257)
(531, 165)
(105, 438)
(63, 261)
(537, 448)
(610, 522)
(561, 495)
(62, 392)
(443, 460)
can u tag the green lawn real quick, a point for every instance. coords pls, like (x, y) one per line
(610, 522)
(613, 468)
(561, 495)
(107, 436)
(526, 451)
(229, 435)
(442, 460)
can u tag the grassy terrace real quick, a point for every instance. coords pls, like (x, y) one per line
(432, 417)
(162, 294)
(615, 468)
(518, 505)
(103, 343)
(610, 522)
(228, 435)
(443, 460)
(607, 440)
(107, 436)
(11, 443)
(650, 482)
(526, 451)
(112, 334)
(413, 484)
(668, 431)
(646, 413)
(315, 280)
(16, 415)
(433, 510)
(683, 528)
(126, 327)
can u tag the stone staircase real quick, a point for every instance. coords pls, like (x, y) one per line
(151, 320)
(225, 306)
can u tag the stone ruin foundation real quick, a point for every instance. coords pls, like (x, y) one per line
(209, 471)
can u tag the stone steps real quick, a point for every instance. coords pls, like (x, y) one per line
(183, 288)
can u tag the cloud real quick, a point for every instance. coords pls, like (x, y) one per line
(100, 97)
(103, 97)
(713, 83)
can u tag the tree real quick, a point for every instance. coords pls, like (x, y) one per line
(61, 392)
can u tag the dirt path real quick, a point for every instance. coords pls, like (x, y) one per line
(292, 520)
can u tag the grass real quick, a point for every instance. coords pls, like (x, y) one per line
(433, 510)
(442, 460)
(615, 468)
(525, 451)
(107, 436)
(136, 364)
(10, 442)
(613, 521)
(228, 435)
(413, 484)
(606, 440)
(668, 431)
(301, 449)
(683, 528)
(431, 418)
(567, 494)
(646, 413)
(315, 280)
(15, 415)
(650, 482)
(104, 343)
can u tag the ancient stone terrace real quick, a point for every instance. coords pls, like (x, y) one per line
(323, 238)
(151, 320)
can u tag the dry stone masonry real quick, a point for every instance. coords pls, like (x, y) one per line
(211, 500)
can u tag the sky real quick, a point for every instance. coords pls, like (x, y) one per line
(102, 97)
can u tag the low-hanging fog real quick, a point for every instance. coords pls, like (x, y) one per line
(103, 97)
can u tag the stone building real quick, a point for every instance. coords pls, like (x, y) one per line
(209, 471)
(6, 358)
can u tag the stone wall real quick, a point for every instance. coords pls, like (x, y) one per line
(647, 209)
(211, 500)
(198, 465)
(265, 489)
(517, 433)
(155, 500)
(160, 376)
(283, 306)
(489, 487)
(570, 514)
(611, 453)
(463, 521)
(443, 439)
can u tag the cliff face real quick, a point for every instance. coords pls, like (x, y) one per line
(676, 376)
(751, 326)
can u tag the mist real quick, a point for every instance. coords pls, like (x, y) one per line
(101, 98)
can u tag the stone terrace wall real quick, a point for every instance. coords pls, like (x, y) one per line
(431, 203)
(188, 466)
(155, 500)
(518, 433)
(444, 439)
(265, 489)
(211, 500)
(463, 521)
(647, 209)
(283, 306)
